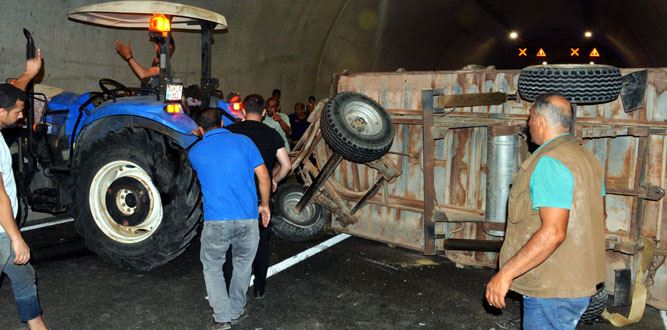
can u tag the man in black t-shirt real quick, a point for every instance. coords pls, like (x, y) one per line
(276, 159)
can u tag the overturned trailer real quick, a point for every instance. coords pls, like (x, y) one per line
(458, 137)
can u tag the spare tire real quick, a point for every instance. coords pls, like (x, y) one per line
(579, 83)
(356, 127)
(295, 226)
(593, 313)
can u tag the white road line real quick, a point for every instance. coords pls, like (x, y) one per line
(663, 314)
(275, 269)
(47, 224)
(293, 260)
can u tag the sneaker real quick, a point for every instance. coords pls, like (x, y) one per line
(241, 317)
(220, 325)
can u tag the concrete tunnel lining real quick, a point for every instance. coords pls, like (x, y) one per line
(297, 46)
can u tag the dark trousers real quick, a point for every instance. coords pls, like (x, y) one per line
(260, 266)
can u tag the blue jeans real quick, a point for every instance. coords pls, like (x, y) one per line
(23, 281)
(553, 313)
(216, 237)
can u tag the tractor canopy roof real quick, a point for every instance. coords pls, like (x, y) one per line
(137, 14)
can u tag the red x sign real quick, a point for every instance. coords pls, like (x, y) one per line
(522, 51)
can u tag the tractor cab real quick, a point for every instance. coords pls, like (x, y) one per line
(160, 19)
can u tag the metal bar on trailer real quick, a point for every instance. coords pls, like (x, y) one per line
(429, 172)
(324, 174)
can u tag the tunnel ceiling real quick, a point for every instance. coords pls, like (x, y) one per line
(426, 35)
(297, 45)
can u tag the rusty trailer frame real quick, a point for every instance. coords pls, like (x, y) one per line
(429, 192)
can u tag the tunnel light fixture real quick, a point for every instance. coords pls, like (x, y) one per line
(514, 35)
(588, 34)
(591, 62)
(544, 63)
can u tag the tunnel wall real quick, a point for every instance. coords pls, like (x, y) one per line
(268, 45)
(297, 45)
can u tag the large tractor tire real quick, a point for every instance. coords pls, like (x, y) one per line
(356, 127)
(597, 305)
(579, 83)
(137, 199)
(295, 226)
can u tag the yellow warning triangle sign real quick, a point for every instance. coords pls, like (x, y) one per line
(541, 53)
(594, 53)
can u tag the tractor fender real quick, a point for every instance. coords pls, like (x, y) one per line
(144, 107)
(96, 129)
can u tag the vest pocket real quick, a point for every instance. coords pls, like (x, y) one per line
(520, 206)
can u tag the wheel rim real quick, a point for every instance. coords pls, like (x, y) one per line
(124, 202)
(362, 119)
(300, 219)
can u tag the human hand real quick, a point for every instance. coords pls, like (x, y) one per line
(21, 251)
(497, 288)
(199, 132)
(124, 51)
(274, 185)
(33, 65)
(276, 117)
(265, 212)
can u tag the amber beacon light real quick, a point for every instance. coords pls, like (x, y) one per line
(159, 23)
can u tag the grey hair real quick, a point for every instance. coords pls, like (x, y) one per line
(555, 114)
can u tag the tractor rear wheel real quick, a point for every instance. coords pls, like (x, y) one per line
(137, 199)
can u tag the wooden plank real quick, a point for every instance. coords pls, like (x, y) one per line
(470, 100)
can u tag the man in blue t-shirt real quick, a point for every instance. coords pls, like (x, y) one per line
(226, 165)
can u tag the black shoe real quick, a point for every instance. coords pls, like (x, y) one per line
(241, 317)
(260, 294)
(220, 325)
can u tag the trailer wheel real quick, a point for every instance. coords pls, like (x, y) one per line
(356, 127)
(579, 83)
(137, 199)
(595, 308)
(291, 225)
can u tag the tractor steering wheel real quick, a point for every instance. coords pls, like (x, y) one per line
(112, 87)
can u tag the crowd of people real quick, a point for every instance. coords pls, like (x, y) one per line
(240, 165)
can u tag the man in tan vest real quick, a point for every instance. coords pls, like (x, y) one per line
(554, 252)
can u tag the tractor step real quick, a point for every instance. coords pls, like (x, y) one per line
(46, 200)
(59, 170)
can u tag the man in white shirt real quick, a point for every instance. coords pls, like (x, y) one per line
(277, 120)
(14, 252)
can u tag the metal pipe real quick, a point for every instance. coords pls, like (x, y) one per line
(30, 101)
(472, 245)
(502, 164)
(207, 84)
(324, 174)
(369, 194)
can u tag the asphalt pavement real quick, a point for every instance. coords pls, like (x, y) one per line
(356, 284)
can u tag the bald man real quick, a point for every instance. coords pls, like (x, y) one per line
(554, 248)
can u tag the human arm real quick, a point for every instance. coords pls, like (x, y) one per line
(264, 187)
(21, 249)
(539, 247)
(284, 124)
(32, 67)
(281, 169)
(125, 51)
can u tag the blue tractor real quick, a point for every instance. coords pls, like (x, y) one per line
(116, 159)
